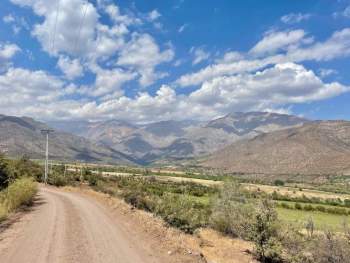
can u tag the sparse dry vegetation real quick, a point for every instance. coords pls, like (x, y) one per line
(17, 183)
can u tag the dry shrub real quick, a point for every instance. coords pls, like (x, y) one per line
(331, 247)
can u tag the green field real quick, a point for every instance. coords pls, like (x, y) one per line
(321, 220)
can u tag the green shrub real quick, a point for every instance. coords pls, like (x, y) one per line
(285, 205)
(20, 192)
(57, 179)
(347, 202)
(232, 213)
(298, 206)
(182, 212)
(321, 208)
(308, 207)
(24, 167)
(138, 200)
(278, 182)
(92, 179)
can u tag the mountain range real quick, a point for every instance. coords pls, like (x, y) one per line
(177, 140)
(251, 142)
(22, 136)
(319, 147)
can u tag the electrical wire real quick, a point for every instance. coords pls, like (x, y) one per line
(80, 26)
(55, 26)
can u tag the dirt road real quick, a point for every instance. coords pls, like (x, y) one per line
(67, 227)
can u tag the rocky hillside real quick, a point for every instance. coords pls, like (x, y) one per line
(23, 136)
(321, 147)
(179, 139)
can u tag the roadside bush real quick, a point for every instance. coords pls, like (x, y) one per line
(232, 213)
(264, 233)
(24, 167)
(182, 212)
(20, 192)
(138, 200)
(57, 179)
(92, 179)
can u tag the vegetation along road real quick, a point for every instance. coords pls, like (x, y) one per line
(68, 227)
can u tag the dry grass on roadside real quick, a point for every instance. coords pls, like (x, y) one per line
(3, 212)
(20, 192)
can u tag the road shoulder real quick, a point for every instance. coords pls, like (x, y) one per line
(169, 243)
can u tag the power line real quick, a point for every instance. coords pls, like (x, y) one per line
(55, 26)
(80, 26)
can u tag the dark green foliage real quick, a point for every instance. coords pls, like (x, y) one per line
(285, 205)
(347, 202)
(91, 178)
(4, 174)
(278, 182)
(10, 170)
(298, 206)
(138, 200)
(86, 172)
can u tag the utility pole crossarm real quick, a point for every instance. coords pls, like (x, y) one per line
(46, 132)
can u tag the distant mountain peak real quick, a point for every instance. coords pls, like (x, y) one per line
(177, 139)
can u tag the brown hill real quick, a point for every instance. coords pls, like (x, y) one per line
(321, 147)
(22, 136)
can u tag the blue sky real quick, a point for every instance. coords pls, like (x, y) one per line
(154, 60)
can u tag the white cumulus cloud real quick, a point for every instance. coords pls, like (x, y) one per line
(70, 67)
(276, 41)
(143, 54)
